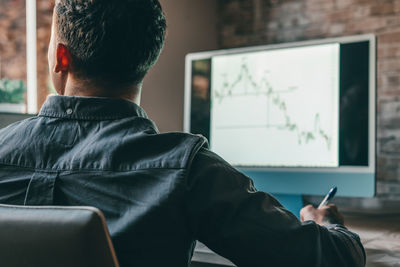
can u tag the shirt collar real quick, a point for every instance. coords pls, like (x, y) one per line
(90, 108)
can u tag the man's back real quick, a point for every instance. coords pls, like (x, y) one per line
(104, 153)
(159, 192)
(92, 145)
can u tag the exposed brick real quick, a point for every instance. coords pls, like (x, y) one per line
(273, 25)
(288, 20)
(391, 93)
(316, 31)
(272, 3)
(360, 11)
(339, 16)
(13, 42)
(389, 116)
(389, 168)
(366, 25)
(293, 7)
(291, 35)
(344, 3)
(389, 37)
(390, 64)
(316, 17)
(318, 5)
(361, 2)
(382, 8)
(389, 189)
(337, 29)
(393, 21)
(390, 80)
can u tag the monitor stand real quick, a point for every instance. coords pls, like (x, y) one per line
(293, 203)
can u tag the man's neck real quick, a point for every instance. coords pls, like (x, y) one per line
(87, 89)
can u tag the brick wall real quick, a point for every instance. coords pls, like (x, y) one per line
(13, 39)
(258, 22)
(13, 42)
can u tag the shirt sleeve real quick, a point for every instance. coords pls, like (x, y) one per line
(252, 228)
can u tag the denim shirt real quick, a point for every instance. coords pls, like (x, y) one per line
(159, 192)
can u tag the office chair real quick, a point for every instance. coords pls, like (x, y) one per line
(39, 236)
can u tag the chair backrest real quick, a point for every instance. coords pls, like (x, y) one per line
(40, 236)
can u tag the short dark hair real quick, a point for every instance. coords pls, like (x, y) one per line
(111, 40)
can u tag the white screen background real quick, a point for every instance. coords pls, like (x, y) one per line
(277, 107)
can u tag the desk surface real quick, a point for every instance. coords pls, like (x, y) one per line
(379, 233)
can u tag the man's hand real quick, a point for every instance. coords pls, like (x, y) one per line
(328, 214)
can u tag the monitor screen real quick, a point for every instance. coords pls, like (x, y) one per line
(288, 108)
(283, 111)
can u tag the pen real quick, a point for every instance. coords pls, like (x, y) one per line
(328, 197)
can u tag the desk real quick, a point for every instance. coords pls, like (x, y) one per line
(379, 233)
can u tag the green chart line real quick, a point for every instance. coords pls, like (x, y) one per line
(273, 98)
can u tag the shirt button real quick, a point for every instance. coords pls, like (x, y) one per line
(69, 111)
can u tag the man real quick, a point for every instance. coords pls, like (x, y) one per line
(93, 145)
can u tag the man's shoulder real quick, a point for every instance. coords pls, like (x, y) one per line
(211, 168)
(191, 141)
(178, 148)
(112, 146)
(15, 139)
(17, 126)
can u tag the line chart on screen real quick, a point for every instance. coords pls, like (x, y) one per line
(274, 99)
(283, 112)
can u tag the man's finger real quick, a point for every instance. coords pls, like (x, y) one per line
(333, 207)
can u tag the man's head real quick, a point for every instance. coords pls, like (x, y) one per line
(104, 41)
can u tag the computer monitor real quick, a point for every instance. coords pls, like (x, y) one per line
(298, 118)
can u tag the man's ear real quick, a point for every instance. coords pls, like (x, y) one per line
(63, 59)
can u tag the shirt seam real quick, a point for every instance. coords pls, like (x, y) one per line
(62, 116)
(89, 170)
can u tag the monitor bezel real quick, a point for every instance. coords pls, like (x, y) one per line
(371, 38)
